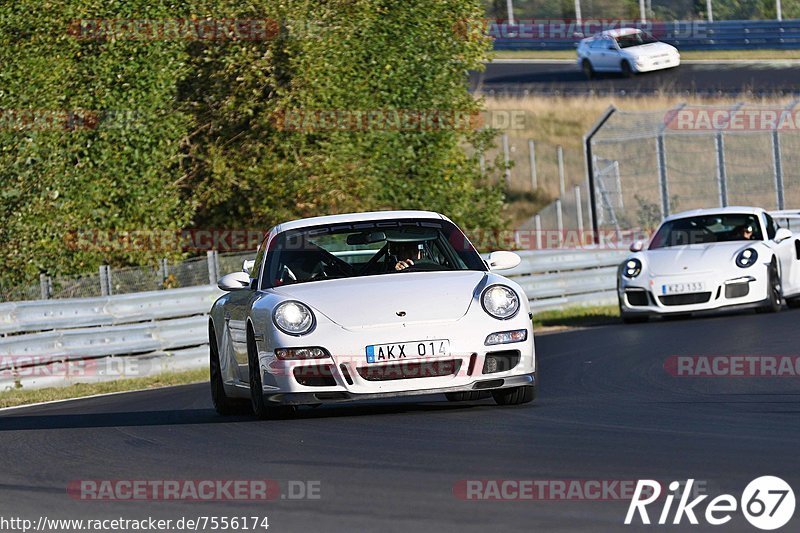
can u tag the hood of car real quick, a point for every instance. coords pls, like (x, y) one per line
(695, 258)
(389, 299)
(646, 51)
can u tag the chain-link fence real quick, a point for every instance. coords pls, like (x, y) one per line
(108, 281)
(647, 165)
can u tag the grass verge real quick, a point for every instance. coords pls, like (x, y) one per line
(574, 317)
(749, 55)
(16, 397)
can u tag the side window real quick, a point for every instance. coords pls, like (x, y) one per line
(597, 44)
(769, 223)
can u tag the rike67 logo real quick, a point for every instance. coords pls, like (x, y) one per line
(767, 503)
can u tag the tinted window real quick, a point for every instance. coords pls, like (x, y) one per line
(707, 229)
(367, 249)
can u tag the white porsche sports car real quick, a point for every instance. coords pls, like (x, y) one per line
(369, 305)
(710, 259)
(625, 50)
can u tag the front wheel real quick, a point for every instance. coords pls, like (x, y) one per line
(774, 298)
(515, 395)
(627, 71)
(261, 408)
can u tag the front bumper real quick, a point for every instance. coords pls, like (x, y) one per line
(737, 290)
(649, 65)
(310, 398)
(346, 375)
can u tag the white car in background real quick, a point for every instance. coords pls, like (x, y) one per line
(625, 50)
(366, 306)
(710, 259)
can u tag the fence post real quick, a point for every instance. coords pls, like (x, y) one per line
(164, 271)
(721, 176)
(778, 166)
(44, 283)
(579, 212)
(507, 160)
(537, 221)
(560, 222)
(212, 267)
(561, 179)
(105, 280)
(662, 175)
(532, 157)
(588, 161)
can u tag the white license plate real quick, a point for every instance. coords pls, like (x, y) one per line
(403, 351)
(683, 288)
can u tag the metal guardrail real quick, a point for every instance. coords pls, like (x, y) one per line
(170, 326)
(685, 35)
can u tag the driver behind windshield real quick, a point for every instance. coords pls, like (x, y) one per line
(404, 254)
(745, 232)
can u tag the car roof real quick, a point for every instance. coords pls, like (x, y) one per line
(744, 210)
(356, 217)
(619, 32)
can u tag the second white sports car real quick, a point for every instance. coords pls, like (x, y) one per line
(625, 50)
(365, 306)
(710, 259)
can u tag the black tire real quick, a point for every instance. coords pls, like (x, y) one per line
(261, 408)
(588, 71)
(468, 396)
(774, 300)
(223, 404)
(627, 71)
(515, 395)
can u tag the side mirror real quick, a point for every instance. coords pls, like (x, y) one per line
(247, 266)
(234, 282)
(637, 246)
(503, 260)
(782, 234)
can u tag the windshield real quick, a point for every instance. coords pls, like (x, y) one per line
(368, 249)
(707, 229)
(635, 39)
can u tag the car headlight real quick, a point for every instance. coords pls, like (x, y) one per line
(293, 318)
(746, 258)
(500, 301)
(632, 268)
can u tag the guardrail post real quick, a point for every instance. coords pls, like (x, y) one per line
(213, 274)
(532, 158)
(561, 178)
(579, 212)
(105, 280)
(507, 160)
(46, 286)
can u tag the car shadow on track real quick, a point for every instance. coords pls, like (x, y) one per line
(181, 417)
